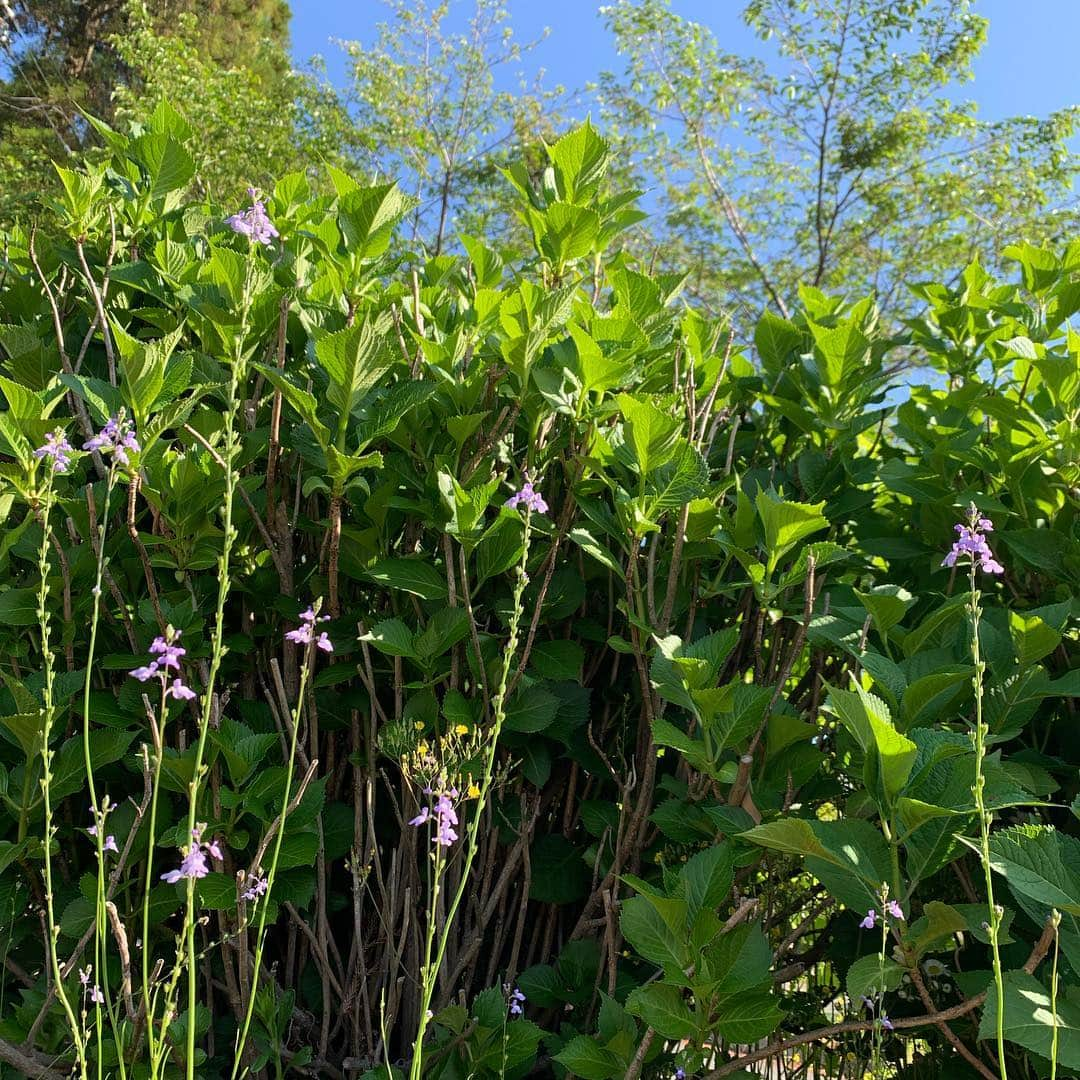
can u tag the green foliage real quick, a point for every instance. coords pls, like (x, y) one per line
(739, 713)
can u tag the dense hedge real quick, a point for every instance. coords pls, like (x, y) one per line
(633, 677)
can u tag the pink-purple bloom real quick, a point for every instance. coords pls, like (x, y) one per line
(256, 887)
(528, 497)
(194, 864)
(253, 222)
(443, 814)
(58, 448)
(972, 544)
(893, 909)
(304, 633)
(117, 437)
(870, 921)
(166, 653)
(516, 1000)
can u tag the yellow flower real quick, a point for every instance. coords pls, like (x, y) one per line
(422, 747)
(419, 725)
(461, 729)
(474, 792)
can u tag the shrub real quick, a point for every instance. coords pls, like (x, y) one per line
(488, 664)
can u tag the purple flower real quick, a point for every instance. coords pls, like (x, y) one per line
(528, 497)
(895, 910)
(253, 222)
(886, 1023)
(58, 448)
(870, 921)
(868, 1003)
(443, 814)
(305, 632)
(516, 1000)
(194, 864)
(96, 996)
(257, 887)
(179, 690)
(972, 544)
(110, 844)
(679, 1074)
(85, 973)
(117, 437)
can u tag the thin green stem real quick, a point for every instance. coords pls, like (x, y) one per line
(498, 705)
(48, 709)
(271, 873)
(237, 373)
(993, 920)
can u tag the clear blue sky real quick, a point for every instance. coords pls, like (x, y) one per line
(1028, 65)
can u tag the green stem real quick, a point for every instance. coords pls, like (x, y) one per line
(236, 375)
(271, 873)
(993, 921)
(48, 661)
(473, 839)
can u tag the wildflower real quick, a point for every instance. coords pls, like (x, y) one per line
(253, 222)
(870, 921)
(516, 999)
(96, 996)
(84, 975)
(58, 448)
(972, 544)
(886, 1023)
(443, 814)
(679, 1074)
(194, 864)
(257, 887)
(117, 437)
(893, 909)
(180, 691)
(868, 1003)
(528, 497)
(304, 633)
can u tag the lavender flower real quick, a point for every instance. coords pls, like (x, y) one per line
(870, 921)
(58, 448)
(257, 887)
(253, 222)
(972, 544)
(96, 996)
(528, 497)
(893, 908)
(886, 1023)
(516, 1000)
(679, 1074)
(194, 864)
(304, 633)
(443, 814)
(117, 437)
(167, 654)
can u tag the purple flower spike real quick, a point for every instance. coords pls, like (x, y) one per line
(304, 634)
(117, 437)
(194, 864)
(870, 921)
(893, 909)
(886, 1023)
(58, 448)
(257, 887)
(179, 691)
(253, 222)
(680, 1074)
(96, 996)
(972, 544)
(443, 814)
(528, 497)
(422, 817)
(517, 999)
(110, 845)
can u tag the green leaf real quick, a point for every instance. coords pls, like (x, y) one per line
(391, 636)
(786, 523)
(301, 400)
(18, 607)
(872, 975)
(1032, 638)
(775, 339)
(532, 710)
(1030, 1019)
(586, 1058)
(354, 359)
(650, 935)
(416, 576)
(650, 433)
(662, 1007)
(706, 878)
(1039, 862)
(167, 164)
(568, 233)
(559, 874)
(745, 1018)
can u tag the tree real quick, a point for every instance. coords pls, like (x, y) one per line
(65, 58)
(426, 99)
(846, 164)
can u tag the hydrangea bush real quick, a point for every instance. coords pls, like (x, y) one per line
(573, 681)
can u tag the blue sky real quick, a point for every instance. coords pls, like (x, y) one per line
(1028, 65)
